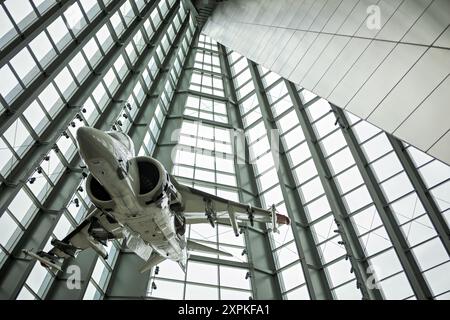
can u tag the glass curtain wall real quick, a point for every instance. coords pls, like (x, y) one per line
(163, 20)
(204, 160)
(412, 220)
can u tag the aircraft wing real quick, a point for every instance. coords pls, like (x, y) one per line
(92, 232)
(201, 207)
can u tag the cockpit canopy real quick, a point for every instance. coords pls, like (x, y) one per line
(122, 138)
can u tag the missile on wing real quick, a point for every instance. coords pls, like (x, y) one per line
(46, 262)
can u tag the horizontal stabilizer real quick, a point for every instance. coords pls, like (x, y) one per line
(195, 246)
(151, 262)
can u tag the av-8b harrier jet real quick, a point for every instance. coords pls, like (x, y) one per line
(136, 199)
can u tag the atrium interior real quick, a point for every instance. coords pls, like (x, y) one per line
(350, 156)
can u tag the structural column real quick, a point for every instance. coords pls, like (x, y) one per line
(31, 159)
(24, 38)
(432, 209)
(16, 269)
(314, 273)
(350, 239)
(412, 270)
(32, 91)
(87, 262)
(265, 282)
(41, 228)
(126, 281)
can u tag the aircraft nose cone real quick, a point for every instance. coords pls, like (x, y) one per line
(85, 133)
(89, 142)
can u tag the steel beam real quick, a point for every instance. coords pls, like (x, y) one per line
(215, 261)
(412, 270)
(105, 122)
(126, 279)
(16, 269)
(314, 273)
(163, 153)
(432, 209)
(31, 159)
(18, 106)
(349, 236)
(145, 114)
(259, 250)
(25, 37)
(174, 117)
(42, 226)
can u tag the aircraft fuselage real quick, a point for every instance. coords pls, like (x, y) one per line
(150, 227)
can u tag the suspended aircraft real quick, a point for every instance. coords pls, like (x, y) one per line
(137, 200)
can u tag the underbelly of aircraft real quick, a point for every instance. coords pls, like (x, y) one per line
(155, 226)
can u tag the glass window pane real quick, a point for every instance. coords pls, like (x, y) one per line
(75, 19)
(202, 273)
(25, 294)
(287, 254)
(299, 294)
(9, 85)
(22, 207)
(234, 277)
(349, 180)
(430, 254)
(51, 100)
(292, 276)
(366, 220)
(36, 117)
(396, 288)
(7, 31)
(8, 228)
(24, 66)
(196, 292)
(37, 279)
(331, 250)
(341, 161)
(227, 294)
(348, 291)
(59, 33)
(437, 281)
(169, 270)
(91, 293)
(318, 208)
(376, 147)
(311, 189)
(22, 12)
(434, 173)
(375, 241)
(18, 137)
(167, 290)
(418, 230)
(339, 272)
(385, 264)
(396, 187)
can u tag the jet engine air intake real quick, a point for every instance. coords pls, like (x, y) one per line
(100, 197)
(152, 178)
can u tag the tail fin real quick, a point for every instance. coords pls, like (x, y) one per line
(195, 246)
